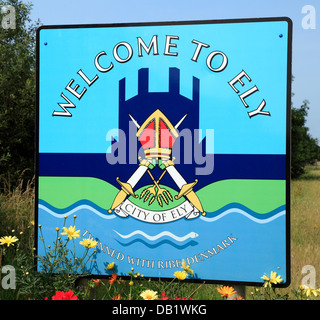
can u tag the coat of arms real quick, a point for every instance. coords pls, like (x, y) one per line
(157, 136)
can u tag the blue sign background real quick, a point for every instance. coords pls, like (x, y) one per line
(246, 196)
(255, 47)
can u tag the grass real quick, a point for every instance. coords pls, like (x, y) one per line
(305, 223)
(305, 227)
(17, 210)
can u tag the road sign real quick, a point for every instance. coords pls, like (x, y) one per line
(170, 142)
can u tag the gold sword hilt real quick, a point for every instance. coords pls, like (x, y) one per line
(187, 191)
(126, 187)
(125, 191)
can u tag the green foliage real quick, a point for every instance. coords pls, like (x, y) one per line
(59, 266)
(101, 289)
(17, 95)
(304, 148)
(268, 293)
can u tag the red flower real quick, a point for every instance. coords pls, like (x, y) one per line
(61, 295)
(176, 298)
(163, 296)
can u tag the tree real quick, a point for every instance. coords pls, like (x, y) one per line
(304, 148)
(17, 94)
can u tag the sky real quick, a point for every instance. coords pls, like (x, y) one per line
(303, 13)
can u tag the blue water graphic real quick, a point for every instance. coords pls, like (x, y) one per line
(233, 243)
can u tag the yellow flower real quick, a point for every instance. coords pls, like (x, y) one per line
(71, 232)
(186, 268)
(131, 283)
(273, 279)
(226, 291)
(8, 240)
(149, 295)
(110, 266)
(180, 275)
(308, 291)
(88, 243)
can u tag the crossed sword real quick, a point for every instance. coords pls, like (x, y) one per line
(186, 189)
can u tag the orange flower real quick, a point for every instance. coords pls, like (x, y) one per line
(226, 291)
(97, 282)
(113, 278)
(118, 297)
(238, 298)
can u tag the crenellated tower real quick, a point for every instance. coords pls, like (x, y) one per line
(173, 105)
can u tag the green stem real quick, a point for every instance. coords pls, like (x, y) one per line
(130, 291)
(192, 293)
(89, 257)
(169, 284)
(42, 240)
(86, 292)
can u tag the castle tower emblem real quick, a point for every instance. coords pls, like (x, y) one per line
(157, 136)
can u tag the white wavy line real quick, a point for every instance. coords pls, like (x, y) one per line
(156, 237)
(244, 214)
(76, 209)
(84, 206)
